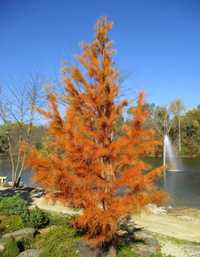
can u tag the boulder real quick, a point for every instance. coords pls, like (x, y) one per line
(2, 247)
(47, 229)
(37, 193)
(26, 233)
(127, 224)
(84, 250)
(143, 235)
(145, 245)
(30, 253)
(143, 250)
(154, 209)
(111, 252)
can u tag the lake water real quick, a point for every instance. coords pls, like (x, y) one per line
(183, 187)
(5, 170)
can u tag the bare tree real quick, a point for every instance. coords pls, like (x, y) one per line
(176, 107)
(18, 114)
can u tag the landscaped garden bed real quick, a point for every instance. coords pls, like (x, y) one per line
(28, 231)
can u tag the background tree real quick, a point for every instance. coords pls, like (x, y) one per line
(176, 107)
(17, 115)
(88, 165)
(191, 132)
(189, 125)
(159, 120)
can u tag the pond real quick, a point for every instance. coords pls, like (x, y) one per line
(183, 187)
(5, 170)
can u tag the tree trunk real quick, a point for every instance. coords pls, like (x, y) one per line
(16, 183)
(179, 135)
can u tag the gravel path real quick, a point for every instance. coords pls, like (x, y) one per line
(56, 207)
(172, 248)
(179, 235)
(180, 227)
(169, 229)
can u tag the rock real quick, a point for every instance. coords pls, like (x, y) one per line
(147, 238)
(47, 229)
(154, 209)
(2, 247)
(111, 252)
(37, 193)
(142, 235)
(145, 244)
(30, 253)
(84, 250)
(26, 233)
(127, 224)
(143, 250)
(122, 233)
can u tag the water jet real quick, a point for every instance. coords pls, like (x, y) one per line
(170, 160)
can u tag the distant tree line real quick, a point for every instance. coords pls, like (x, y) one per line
(20, 122)
(182, 125)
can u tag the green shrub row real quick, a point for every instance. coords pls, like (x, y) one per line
(14, 205)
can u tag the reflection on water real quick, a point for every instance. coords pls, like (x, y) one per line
(183, 187)
(5, 170)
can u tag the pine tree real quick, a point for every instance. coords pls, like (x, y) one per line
(88, 165)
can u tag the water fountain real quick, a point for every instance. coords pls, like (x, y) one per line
(169, 156)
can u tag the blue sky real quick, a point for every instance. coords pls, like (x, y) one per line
(157, 42)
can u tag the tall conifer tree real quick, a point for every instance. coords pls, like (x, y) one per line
(88, 165)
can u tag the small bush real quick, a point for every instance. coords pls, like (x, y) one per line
(12, 205)
(25, 216)
(60, 241)
(38, 218)
(11, 249)
(35, 218)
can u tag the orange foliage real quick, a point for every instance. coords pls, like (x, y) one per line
(88, 165)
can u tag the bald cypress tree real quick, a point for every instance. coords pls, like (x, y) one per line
(89, 165)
